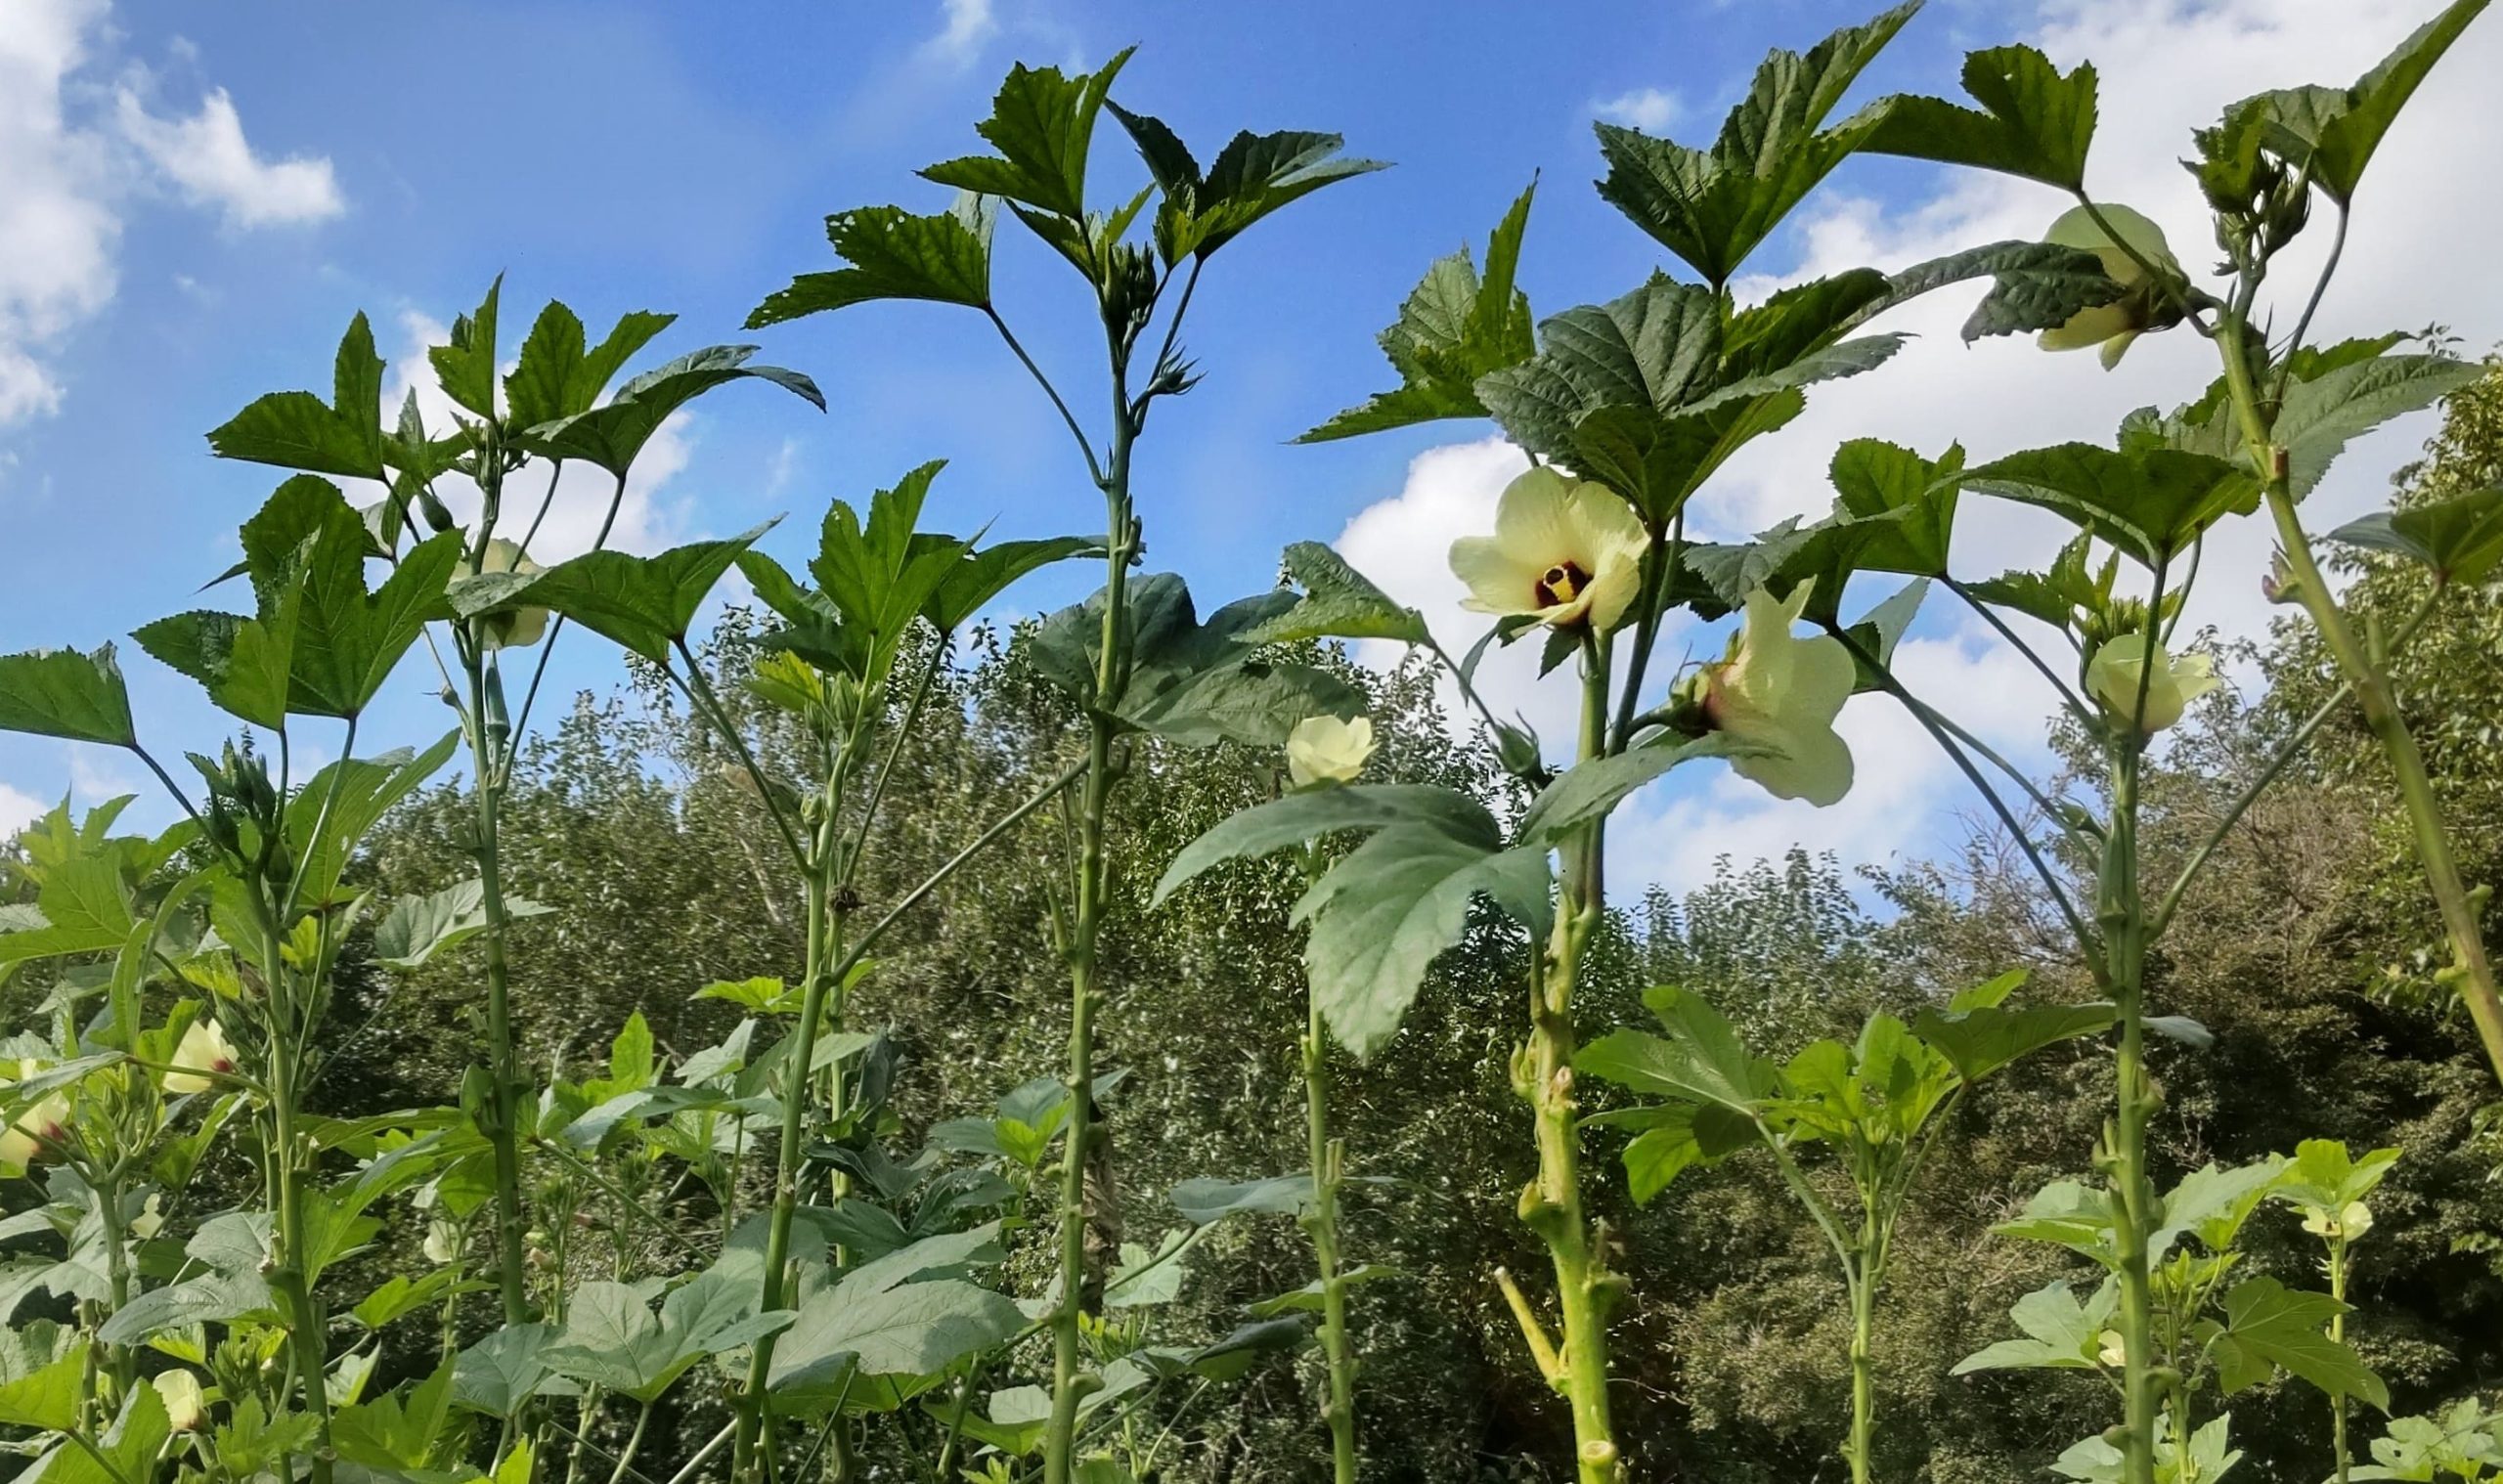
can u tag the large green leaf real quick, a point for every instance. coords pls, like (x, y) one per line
(1042, 124)
(2321, 413)
(1254, 175)
(894, 254)
(465, 363)
(2061, 1333)
(2033, 120)
(646, 603)
(1383, 914)
(332, 814)
(506, 1369)
(917, 1328)
(418, 928)
(1651, 392)
(128, 1450)
(2285, 1329)
(613, 1340)
(1202, 1201)
(1981, 1041)
(1875, 479)
(559, 374)
(1191, 682)
(981, 576)
(611, 436)
(1455, 327)
(49, 1399)
(1317, 812)
(1713, 207)
(62, 693)
(345, 641)
(298, 430)
(1589, 791)
(2149, 503)
(2335, 131)
(83, 907)
(1339, 602)
(1701, 1059)
(2461, 538)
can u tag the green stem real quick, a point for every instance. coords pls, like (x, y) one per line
(1328, 1157)
(634, 1442)
(756, 1417)
(2469, 968)
(1863, 1378)
(503, 1063)
(1551, 1207)
(2338, 1337)
(1072, 1381)
(2124, 954)
(306, 1327)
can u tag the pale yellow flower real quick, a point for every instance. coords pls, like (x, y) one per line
(186, 1405)
(2350, 1223)
(1564, 551)
(514, 627)
(2113, 677)
(2115, 324)
(1327, 750)
(204, 1050)
(23, 1142)
(151, 1219)
(1781, 692)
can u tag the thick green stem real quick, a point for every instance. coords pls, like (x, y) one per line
(1551, 1207)
(503, 1063)
(1863, 1378)
(2338, 1337)
(1328, 1157)
(755, 1440)
(2361, 669)
(2123, 923)
(306, 1327)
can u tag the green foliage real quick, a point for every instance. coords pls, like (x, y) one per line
(2033, 121)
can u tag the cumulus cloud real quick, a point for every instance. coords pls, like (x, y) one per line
(68, 175)
(17, 810)
(966, 25)
(1651, 109)
(2415, 254)
(209, 160)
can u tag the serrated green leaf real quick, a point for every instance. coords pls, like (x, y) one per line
(1390, 907)
(1339, 602)
(558, 376)
(1317, 812)
(646, 603)
(64, 693)
(2286, 1329)
(298, 430)
(918, 1329)
(1713, 207)
(1042, 124)
(2061, 1333)
(894, 254)
(2336, 132)
(2321, 413)
(611, 436)
(2148, 502)
(1455, 327)
(2033, 120)
(418, 928)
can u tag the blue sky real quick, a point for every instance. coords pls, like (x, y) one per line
(268, 170)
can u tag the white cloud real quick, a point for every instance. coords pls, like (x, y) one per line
(66, 176)
(968, 24)
(17, 810)
(1651, 109)
(2415, 255)
(645, 521)
(207, 158)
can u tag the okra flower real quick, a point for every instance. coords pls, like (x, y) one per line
(2350, 1223)
(2143, 305)
(186, 1405)
(1323, 750)
(510, 628)
(1782, 693)
(2113, 676)
(203, 1051)
(30, 1138)
(1564, 551)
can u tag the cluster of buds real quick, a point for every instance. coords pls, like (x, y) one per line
(242, 798)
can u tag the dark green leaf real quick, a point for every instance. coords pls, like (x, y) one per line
(62, 693)
(895, 255)
(611, 436)
(2321, 413)
(1390, 907)
(2147, 502)
(1318, 813)
(918, 1329)
(466, 364)
(1590, 791)
(2286, 1328)
(1042, 124)
(557, 376)
(2336, 132)
(2461, 538)
(1339, 602)
(1713, 207)
(647, 603)
(1985, 1038)
(297, 430)
(2033, 121)
(1454, 328)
